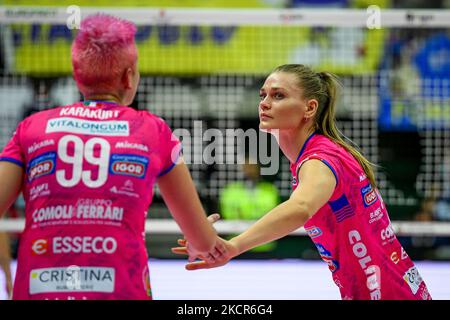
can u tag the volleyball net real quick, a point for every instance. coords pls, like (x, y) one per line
(201, 70)
(223, 227)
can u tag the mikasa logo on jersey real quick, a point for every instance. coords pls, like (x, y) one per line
(130, 145)
(41, 190)
(81, 126)
(38, 145)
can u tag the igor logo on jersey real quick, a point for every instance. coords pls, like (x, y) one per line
(41, 166)
(128, 165)
(369, 195)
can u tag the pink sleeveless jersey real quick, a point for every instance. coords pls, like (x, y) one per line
(90, 169)
(353, 233)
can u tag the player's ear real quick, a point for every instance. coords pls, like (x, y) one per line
(312, 106)
(127, 78)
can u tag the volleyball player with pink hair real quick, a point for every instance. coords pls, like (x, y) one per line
(87, 172)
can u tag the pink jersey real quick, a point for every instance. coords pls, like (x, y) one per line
(353, 233)
(90, 169)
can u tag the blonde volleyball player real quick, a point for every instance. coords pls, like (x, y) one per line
(335, 196)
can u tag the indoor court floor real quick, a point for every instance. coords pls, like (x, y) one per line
(264, 280)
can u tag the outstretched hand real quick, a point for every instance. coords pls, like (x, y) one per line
(221, 253)
(207, 262)
(189, 250)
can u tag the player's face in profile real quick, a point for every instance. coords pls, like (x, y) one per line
(282, 105)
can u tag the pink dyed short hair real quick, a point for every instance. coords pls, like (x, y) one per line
(103, 48)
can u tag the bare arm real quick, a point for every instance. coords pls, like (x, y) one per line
(5, 260)
(181, 197)
(317, 183)
(11, 177)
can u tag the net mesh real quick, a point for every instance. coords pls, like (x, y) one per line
(200, 77)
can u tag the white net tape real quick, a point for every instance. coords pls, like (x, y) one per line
(167, 226)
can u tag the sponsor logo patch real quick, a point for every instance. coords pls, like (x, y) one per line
(41, 190)
(72, 279)
(326, 256)
(38, 145)
(394, 257)
(127, 189)
(81, 126)
(128, 165)
(413, 279)
(41, 166)
(387, 234)
(71, 245)
(313, 232)
(89, 113)
(87, 211)
(376, 215)
(131, 145)
(369, 195)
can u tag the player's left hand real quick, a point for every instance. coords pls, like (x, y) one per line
(223, 252)
(186, 249)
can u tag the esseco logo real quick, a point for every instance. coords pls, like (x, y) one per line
(67, 245)
(129, 165)
(95, 245)
(39, 246)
